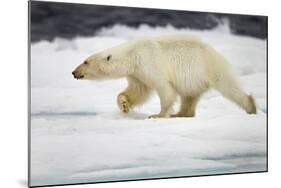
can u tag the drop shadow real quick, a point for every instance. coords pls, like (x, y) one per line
(23, 183)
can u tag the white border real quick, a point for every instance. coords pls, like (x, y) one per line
(13, 100)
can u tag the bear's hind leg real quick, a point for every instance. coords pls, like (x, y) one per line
(231, 89)
(135, 94)
(188, 107)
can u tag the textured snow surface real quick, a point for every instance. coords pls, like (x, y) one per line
(78, 134)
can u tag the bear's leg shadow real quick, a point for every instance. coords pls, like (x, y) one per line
(231, 89)
(188, 106)
(135, 94)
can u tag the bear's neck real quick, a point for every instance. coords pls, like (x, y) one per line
(120, 72)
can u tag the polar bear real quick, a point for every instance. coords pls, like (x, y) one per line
(173, 66)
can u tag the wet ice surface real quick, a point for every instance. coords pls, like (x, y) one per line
(78, 134)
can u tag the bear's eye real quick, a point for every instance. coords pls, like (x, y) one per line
(85, 62)
(108, 58)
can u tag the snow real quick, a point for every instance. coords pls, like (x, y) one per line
(78, 134)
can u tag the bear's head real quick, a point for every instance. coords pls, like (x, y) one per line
(112, 63)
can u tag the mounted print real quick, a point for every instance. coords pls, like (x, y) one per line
(124, 93)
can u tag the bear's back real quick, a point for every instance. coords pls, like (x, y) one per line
(185, 61)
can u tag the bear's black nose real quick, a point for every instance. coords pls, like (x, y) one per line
(74, 74)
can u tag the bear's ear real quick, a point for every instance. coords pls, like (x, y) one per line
(108, 57)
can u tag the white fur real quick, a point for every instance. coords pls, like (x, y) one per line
(175, 65)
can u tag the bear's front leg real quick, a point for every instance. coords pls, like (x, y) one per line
(167, 98)
(123, 103)
(135, 94)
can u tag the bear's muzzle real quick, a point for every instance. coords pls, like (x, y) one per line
(77, 75)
